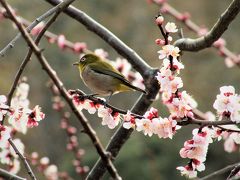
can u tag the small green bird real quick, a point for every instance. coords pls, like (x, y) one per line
(101, 77)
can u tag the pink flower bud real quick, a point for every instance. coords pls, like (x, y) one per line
(159, 42)
(71, 130)
(61, 41)
(159, 20)
(79, 47)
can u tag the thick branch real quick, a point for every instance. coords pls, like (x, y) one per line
(23, 159)
(52, 74)
(7, 175)
(187, 44)
(137, 62)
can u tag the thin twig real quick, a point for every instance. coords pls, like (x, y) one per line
(100, 101)
(220, 171)
(33, 24)
(52, 74)
(187, 44)
(7, 175)
(168, 9)
(23, 158)
(234, 171)
(137, 62)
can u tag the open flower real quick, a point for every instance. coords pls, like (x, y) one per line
(168, 50)
(171, 27)
(107, 118)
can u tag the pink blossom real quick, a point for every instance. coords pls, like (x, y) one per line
(171, 27)
(38, 28)
(51, 172)
(61, 41)
(129, 121)
(123, 66)
(229, 62)
(19, 119)
(164, 128)
(152, 113)
(187, 171)
(138, 81)
(100, 52)
(35, 116)
(144, 125)
(5, 134)
(169, 50)
(229, 145)
(219, 43)
(159, 20)
(107, 118)
(79, 47)
(3, 106)
(15, 166)
(227, 103)
(160, 42)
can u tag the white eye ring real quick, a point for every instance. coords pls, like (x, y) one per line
(82, 59)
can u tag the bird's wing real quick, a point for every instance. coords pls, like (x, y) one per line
(107, 69)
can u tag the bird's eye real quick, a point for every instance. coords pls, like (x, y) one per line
(82, 59)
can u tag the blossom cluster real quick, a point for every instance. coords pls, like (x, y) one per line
(196, 149)
(149, 124)
(227, 104)
(20, 117)
(180, 104)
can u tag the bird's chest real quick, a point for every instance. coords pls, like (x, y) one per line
(99, 83)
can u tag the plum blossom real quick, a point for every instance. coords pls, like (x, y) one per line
(159, 20)
(86, 104)
(164, 127)
(35, 116)
(144, 125)
(229, 62)
(107, 118)
(100, 52)
(79, 47)
(51, 172)
(171, 27)
(187, 171)
(38, 28)
(196, 150)
(9, 157)
(182, 105)
(227, 104)
(169, 50)
(129, 121)
(3, 106)
(61, 41)
(5, 134)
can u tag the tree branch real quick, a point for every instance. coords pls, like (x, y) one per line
(220, 171)
(183, 17)
(187, 44)
(23, 159)
(137, 62)
(5, 174)
(52, 74)
(33, 24)
(29, 53)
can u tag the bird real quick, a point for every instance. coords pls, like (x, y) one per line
(102, 78)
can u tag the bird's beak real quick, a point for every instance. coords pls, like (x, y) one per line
(75, 64)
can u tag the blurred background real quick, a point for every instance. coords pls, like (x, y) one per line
(133, 22)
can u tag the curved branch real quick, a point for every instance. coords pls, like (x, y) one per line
(187, 44)
(5, 174)
(137, 62)
(52, 74)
